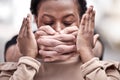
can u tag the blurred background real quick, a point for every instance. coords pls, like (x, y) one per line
(12, 13)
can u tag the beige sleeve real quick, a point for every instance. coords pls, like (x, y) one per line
(26, 70)
(100, 70)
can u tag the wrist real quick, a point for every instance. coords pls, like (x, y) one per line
(31, 53)
(86, 54)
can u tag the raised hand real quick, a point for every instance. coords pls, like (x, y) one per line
(85, 38)
(26, 40)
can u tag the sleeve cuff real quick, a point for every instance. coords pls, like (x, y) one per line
(30, 61)
(90, 66)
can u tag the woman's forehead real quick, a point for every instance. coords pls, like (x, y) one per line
(58, 5)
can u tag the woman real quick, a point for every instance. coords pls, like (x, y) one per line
(63, 29)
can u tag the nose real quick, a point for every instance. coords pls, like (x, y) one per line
(58, 27)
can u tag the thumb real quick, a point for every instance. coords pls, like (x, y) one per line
(95, 38)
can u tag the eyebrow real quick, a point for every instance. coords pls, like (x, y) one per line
(47, 15)
(69, 15)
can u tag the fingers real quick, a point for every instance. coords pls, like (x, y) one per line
(87, 22)
(26, 26)
(29, 31)
(47, 53)
(39, 33)
(61, 48)
(60, 37)
(89, 19)
(29, 20)
(57, 53)
(82, 24)
(89, 10)
(22, 29)
(52, 42)
(65, 48)
(47, 29)
(44, 30)
(64, 37)
(69, 30)
(93, 20)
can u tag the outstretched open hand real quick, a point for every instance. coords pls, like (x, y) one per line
(85, 38)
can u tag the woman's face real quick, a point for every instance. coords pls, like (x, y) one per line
(58, 14)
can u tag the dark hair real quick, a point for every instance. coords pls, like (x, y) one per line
(10, 43)
(35, 3)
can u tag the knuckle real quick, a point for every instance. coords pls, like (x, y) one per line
(59, 49)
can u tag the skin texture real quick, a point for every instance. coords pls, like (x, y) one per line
(59, 35)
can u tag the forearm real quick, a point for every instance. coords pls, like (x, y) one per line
(27, 68)
(95, 70)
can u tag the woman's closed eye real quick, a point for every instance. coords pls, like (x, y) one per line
(67, 23)
(48, 20)
(49, 23)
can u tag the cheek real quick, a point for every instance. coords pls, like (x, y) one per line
(39, 24)
(77, 23)
(36, 22)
